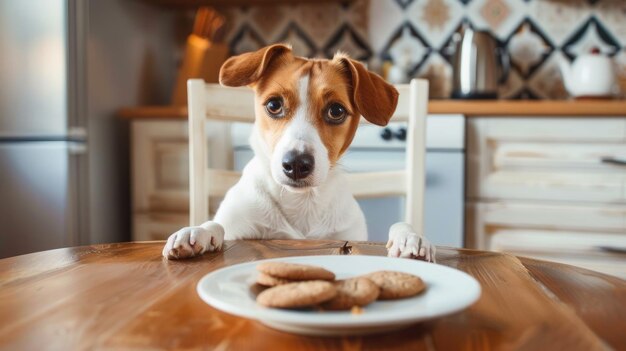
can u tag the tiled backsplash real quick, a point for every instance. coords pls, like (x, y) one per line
(536, 33)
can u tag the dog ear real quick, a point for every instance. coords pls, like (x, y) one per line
(247, 68)
(375, 99)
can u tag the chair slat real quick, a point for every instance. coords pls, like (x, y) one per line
(237, 104)
(377, 184)
(402, 109)
(198, 201)
(416, 153)
(219, 181)
(229, 104)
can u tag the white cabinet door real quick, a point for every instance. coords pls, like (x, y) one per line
(160, 173)
(160, 166)
(547, 159)
(589, 236)
(160, 162)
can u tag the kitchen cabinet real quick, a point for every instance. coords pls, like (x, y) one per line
(546, 188)
(160, 174)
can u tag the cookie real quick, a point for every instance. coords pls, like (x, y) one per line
(359, 291)
(396, 285)
(268, 280)
(300, 294)
(294, 271)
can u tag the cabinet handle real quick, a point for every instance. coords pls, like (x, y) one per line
(613, 249)
(614, 161)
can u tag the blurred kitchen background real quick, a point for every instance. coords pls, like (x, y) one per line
(93, 135)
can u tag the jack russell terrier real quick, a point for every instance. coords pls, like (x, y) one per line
(307, 112)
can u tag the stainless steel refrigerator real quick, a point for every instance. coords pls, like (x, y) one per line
(43, 139)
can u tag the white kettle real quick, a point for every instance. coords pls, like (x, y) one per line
(590, 75)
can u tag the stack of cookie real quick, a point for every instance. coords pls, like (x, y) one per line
(292, 285)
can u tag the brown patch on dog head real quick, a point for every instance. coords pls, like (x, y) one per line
(327, 85)
(247, 68)
(279, 80)
(374, 98)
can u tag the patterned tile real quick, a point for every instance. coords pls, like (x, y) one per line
(559, 18)
(589, 36)
(525, 94)
(388, 18)
(358, 16)
(407, 43)
(269, 20)
(439, 74)
(612, 13)
(495, 12)
(319, 20)
(512, 87)
(500, 17)
(620, 63)
(535, 32)
(547, 82)
(528, 48)
(299, 41)
(246, 40)
(346, 40)
(436, 18)
(403, 3)
(232, 24)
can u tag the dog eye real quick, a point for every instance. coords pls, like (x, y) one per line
(274, 107)
(336, 113)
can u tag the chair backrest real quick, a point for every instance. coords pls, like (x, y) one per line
(214, 102)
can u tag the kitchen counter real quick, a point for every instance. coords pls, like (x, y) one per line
(582, 108)
(469, 108)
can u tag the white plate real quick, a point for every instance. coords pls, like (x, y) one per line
(448, 291)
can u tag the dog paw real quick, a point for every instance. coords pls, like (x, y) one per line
(194, 241)
(410, 245)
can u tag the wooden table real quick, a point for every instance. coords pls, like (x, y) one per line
(126, 296)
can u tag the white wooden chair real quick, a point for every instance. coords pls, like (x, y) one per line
(214, 102)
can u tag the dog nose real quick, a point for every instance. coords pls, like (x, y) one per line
(298, 165)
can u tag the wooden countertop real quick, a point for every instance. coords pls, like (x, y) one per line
(126, 296)
(469, 108)
(583, 108)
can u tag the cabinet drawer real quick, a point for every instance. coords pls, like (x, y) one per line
(160, 163)
(589, 236)
(160, 166)
(600, 252)
(554, 159)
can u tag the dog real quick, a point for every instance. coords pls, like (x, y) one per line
(306, 114)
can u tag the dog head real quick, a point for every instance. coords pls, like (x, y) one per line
(308, 110)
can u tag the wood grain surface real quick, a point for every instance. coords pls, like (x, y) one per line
(126, 296)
